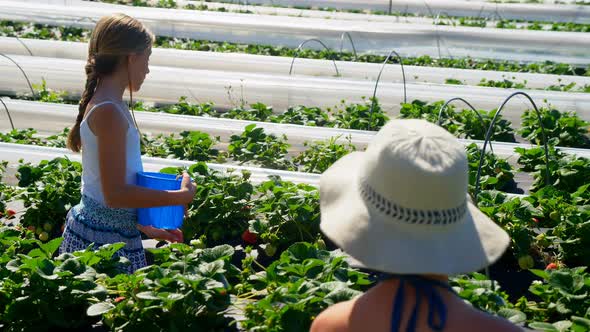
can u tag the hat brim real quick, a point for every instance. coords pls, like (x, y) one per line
(376, 242)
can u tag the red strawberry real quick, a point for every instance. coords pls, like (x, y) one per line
(31, 228)
(248, 237)
(63, 227)
(551, 266)
(119, 299)
(10, 213)
(535, 220)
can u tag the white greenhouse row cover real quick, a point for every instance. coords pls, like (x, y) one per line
(242, 6)
(373, 37)
(512, 11)
(56, 117)
(548, 11)
(238, 62)
(12, 153)
(229, 89)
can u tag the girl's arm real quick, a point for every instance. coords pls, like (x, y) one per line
(110, 127)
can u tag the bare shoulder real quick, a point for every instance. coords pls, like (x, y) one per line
(333, 319)
(106, 119)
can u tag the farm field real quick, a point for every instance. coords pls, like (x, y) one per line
(255, 100)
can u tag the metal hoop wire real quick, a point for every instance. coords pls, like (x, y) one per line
(379, 79)
(345, 33)
(466, 103)
(8, 113)
(299, 49)
(495, 14)
(435, 29)
(22, 71)
(491, 129)
(25, 45)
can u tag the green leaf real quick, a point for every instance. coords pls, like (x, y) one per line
(582, 322)
(150, 296)
(210, 269)
(563, 325)
(543, 327)
(51, 247)
(561, 279)
(540, 273)
(175, 296)
(513, 315)
(99, 309)
(219, 252)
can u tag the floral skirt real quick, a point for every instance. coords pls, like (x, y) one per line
(90, 222)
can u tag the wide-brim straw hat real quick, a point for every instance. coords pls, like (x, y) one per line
(402, 206)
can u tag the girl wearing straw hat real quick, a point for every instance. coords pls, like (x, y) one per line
(401, 208)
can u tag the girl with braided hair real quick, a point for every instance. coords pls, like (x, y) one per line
(106, 134)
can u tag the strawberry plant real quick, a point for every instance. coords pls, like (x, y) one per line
(256, 112)
(222, 205)
(561, 128)
(302, 283)
(58, 140)
(288, 213)
(254, 145)
(471, 126)
(48, 191)
(582, 195)
(419, 109)
(465, 123)
(13, 242)
(30, 137)
(496, 173)
(186, 291)
(505, 84)
(567, 172)
(302, 115)
(566, 228)
(516, 216)
(191, 145)
(43, 94)
(358, 116)
(319, 156)
(137, 3)
(563, 298)
(21, 136)
(185, 108)
(483, 294)
(46, 294)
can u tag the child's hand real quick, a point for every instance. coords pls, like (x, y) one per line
(188, 187)
(170, 235)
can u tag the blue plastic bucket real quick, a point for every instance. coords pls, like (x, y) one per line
(166, 217)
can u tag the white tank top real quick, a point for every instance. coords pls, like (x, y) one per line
(91, 185)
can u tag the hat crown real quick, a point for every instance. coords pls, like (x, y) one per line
(418, 167)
